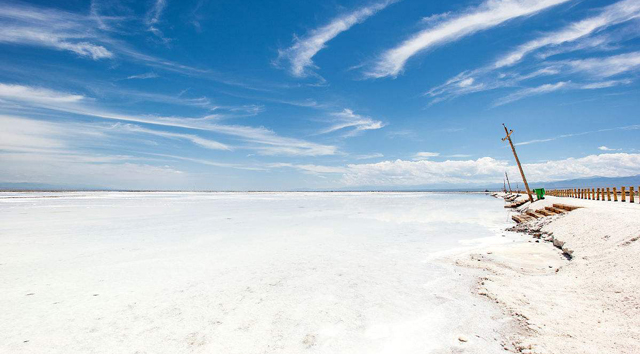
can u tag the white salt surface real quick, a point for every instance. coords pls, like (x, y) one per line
(101, 272)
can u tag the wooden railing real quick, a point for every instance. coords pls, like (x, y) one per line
(603, 194)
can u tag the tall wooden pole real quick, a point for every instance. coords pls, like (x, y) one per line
(506, 175)
(524, 179)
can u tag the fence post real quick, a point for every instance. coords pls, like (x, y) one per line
(624, 195)
(608, 194)
(598, 195)
(615, 194)
(631, 194)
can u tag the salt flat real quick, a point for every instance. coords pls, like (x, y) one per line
(107, 272)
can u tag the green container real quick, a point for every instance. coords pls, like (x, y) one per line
(539, 193)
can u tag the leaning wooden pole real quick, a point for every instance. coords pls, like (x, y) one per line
(506, 175)
(524, 179)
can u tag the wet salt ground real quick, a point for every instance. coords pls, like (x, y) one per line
(107, 272)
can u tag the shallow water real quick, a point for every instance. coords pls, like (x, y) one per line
(243, 272)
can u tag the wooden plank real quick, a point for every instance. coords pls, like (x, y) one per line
(517, 219)
(532, 214)
(526, 217)
(565, 207)
(546, 212)
(556, 210)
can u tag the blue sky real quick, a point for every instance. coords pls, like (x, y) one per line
(255, 95)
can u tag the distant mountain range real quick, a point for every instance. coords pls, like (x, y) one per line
(24, 186)
(592, 182)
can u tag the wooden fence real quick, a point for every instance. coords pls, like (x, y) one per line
(604, 194)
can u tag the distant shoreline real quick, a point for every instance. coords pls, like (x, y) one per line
(250, 191)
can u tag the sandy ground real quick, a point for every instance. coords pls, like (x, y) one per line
(588, 304)
(246, 273)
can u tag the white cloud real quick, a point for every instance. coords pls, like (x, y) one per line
(153, 18)
(37, 94)
(603, 165)
(144, 76)
(17, 134)
(546, 88)
(604, 148)
(309, 168)
(611, 15)
(466, 82)
(459, 155)
(206, 143)
(485, 79)
(348, 119)
(425, 155)
(486, 170)
(260, 139)
(605, 84)
(490, 14)
(423, 172)
(607, 66)
(369, 156)
(628, 127)
(53, 29)
(532, 91)
(301, 53)
(210, 163)
(89, 36)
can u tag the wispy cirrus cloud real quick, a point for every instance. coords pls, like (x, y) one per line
(260, 139)
(530, 91)
(300, 55)
(611, 15)
(37, 94)
(89, 36)
(594, 72)
(200, 141)
(153, 19)
(581, 35)
(348, 119)
(547, 88)
(309, 168)
(369, 156)
(59, 30)
(150, 75)
(489, 14)
(425, 155)
(606, 66)
(570, 135)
